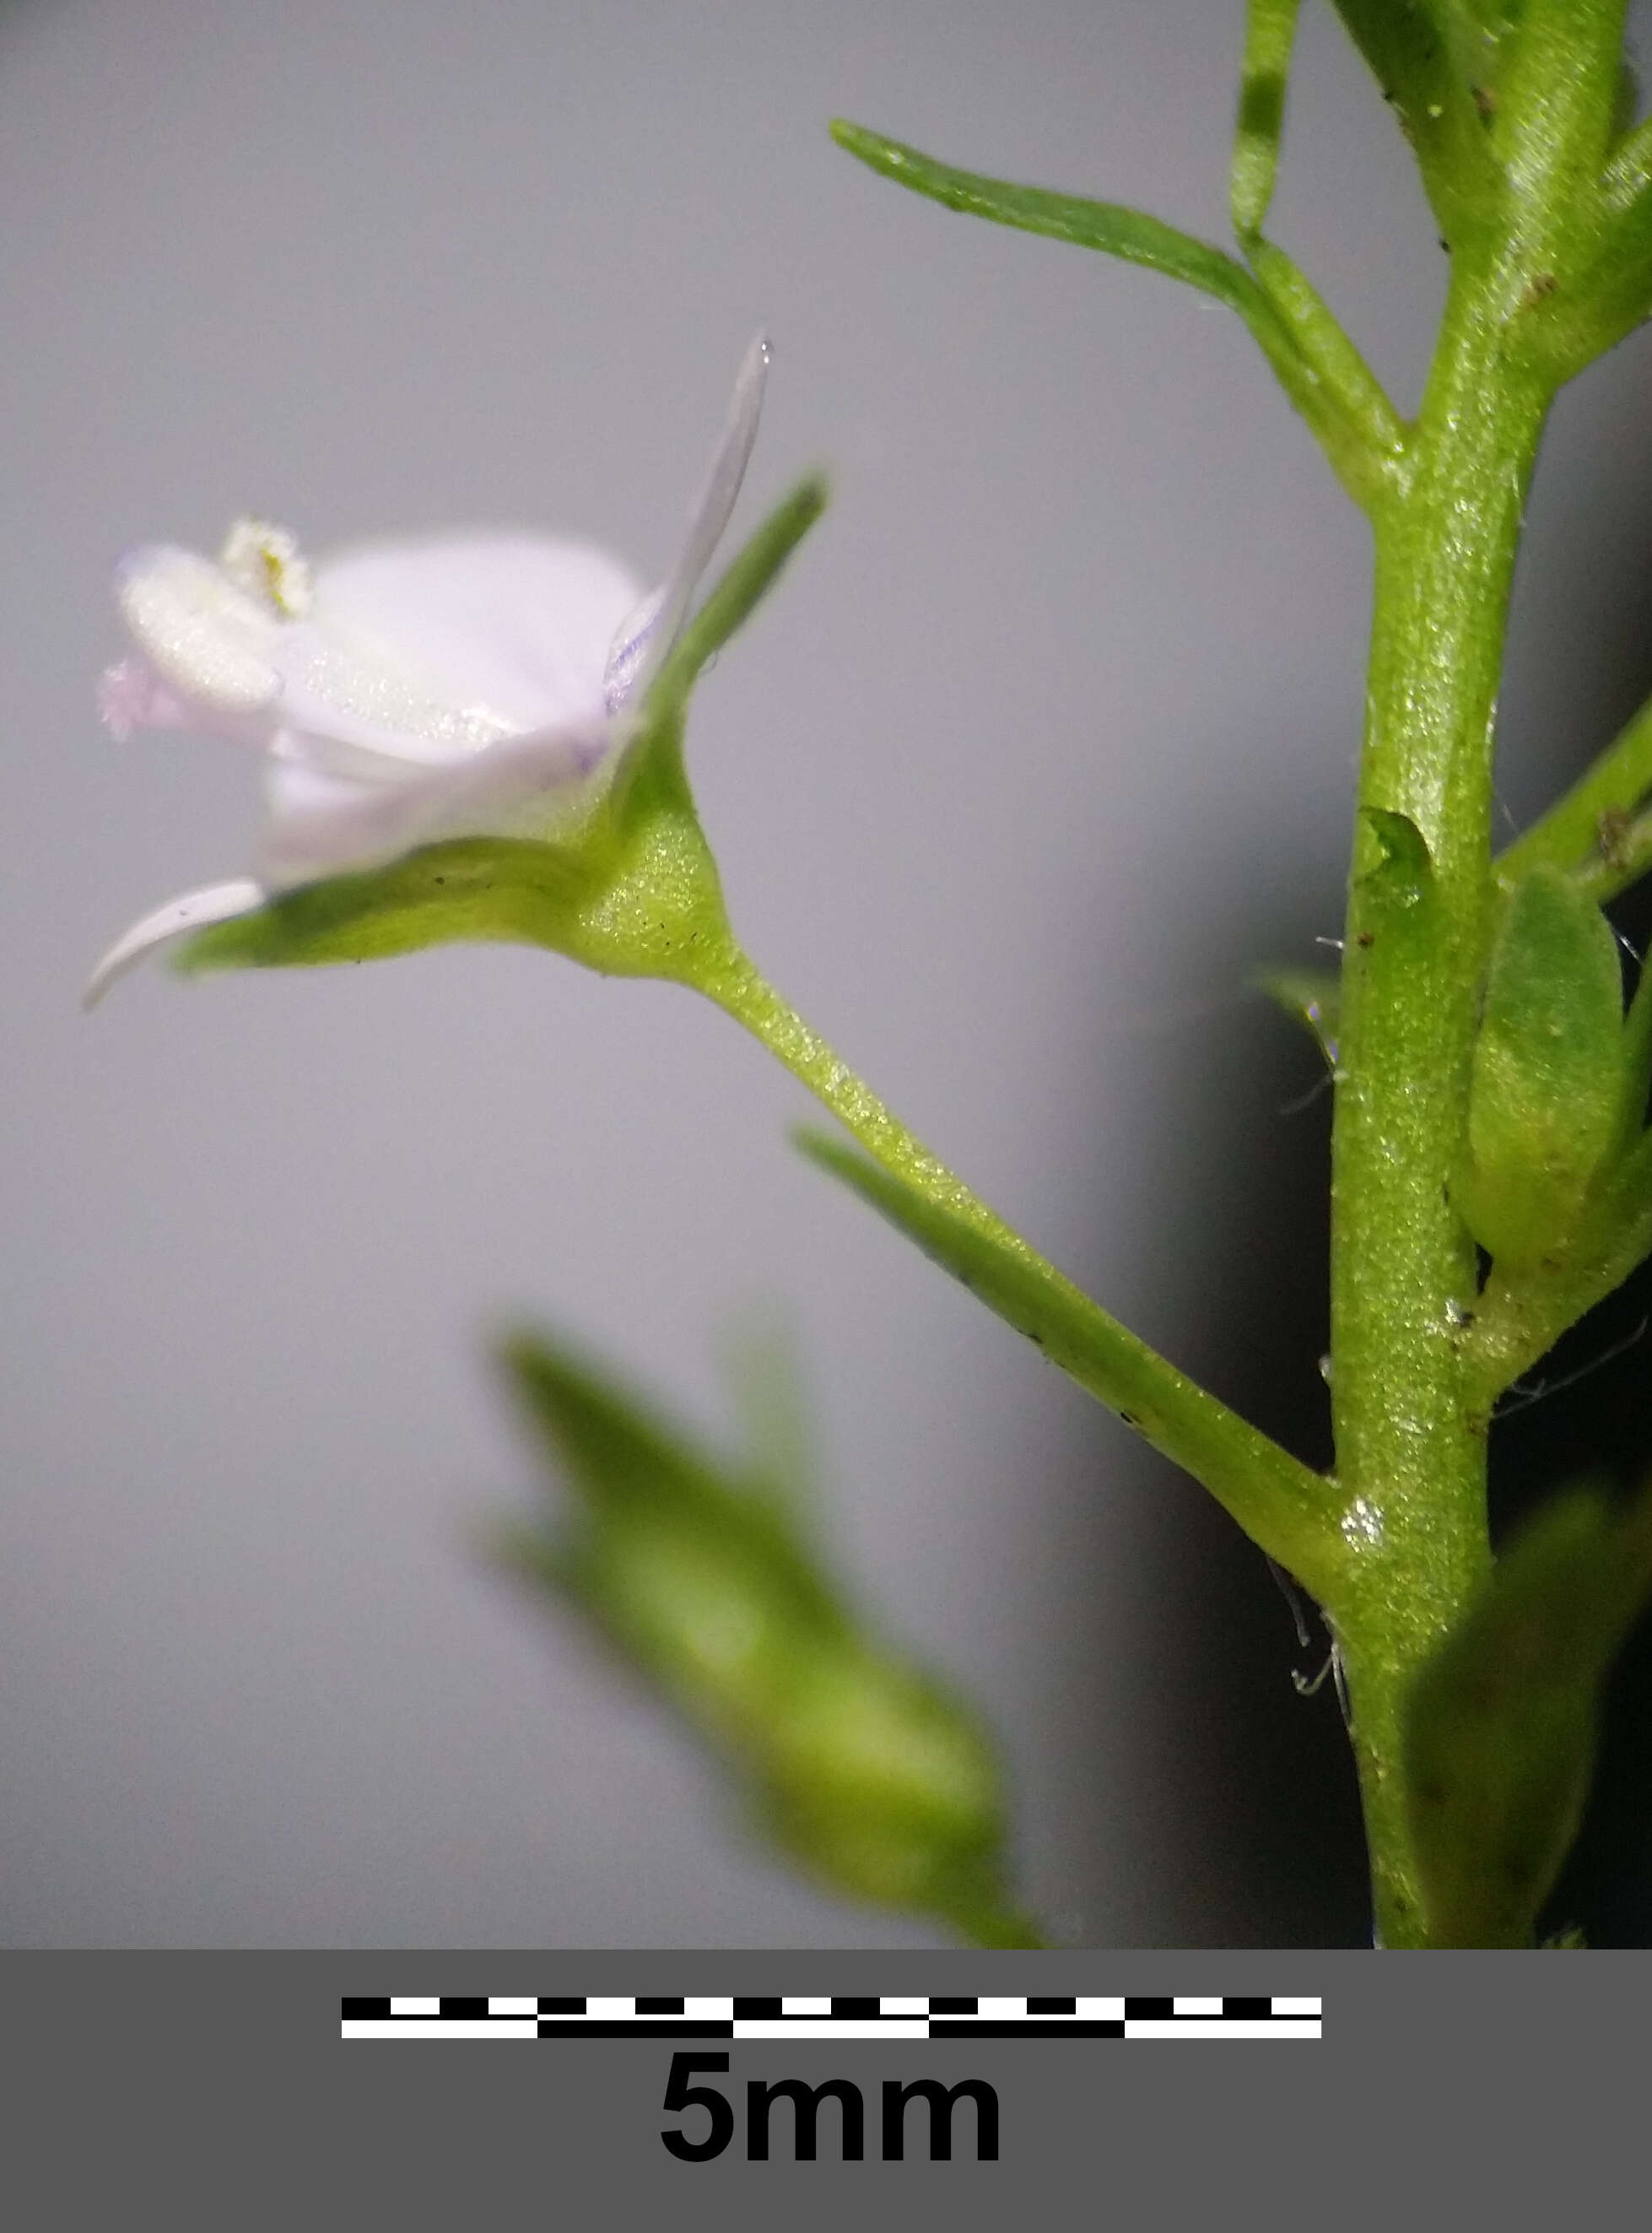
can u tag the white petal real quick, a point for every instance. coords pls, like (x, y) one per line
(432, 650)
(298, 786)
(515, 789)
(341, 687)
(202, 634)
(649, 632)
(190, 911)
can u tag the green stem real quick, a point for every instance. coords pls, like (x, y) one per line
(1410, 1452)
(1283, 1505)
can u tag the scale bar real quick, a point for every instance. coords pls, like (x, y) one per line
(953, 2016)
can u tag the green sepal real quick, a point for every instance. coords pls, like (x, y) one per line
(651, 907)
(622, 880)
(1312, 998)
(747, 579)
(1546, 1089)
(1269, 30)
(703, 1576)
(1282, 1505)
(1502, 1724)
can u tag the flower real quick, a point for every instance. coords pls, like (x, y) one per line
(404, 693)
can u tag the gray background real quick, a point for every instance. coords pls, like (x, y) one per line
(1047, 737)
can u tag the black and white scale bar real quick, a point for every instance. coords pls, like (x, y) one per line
(889, 2016)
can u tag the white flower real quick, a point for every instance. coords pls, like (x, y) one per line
(404, 693)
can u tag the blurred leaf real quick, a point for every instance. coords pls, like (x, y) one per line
(765, 1380)
(1311, 998)
(1626, 107)
(1502, 1724)
(861, 1768)
(1270, 30)
(1547, 1087)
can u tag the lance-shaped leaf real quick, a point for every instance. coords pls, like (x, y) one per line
(1502, 1724)
(1335, 415)
(1282, 1505)
(1547, 1087)
(703, 1577)
(1270, 30)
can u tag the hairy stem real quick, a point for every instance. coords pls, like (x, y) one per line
(1410, 1448)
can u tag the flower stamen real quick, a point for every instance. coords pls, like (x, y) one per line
(266, 561)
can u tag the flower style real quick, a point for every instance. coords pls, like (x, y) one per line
(405, 693)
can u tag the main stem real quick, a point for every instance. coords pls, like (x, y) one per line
(1410, 1446)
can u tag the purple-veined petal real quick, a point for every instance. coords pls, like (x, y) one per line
(189, 911)
(517, 788)
(649, 632)
(206, 638)
(132, 696)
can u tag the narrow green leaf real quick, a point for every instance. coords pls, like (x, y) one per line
(1331, 357)
(1596, 832)
(1138, 239)
(1546, 1093)
(1270, 30)
(1311, 998)
(1502, 1724)
(1435, 103)
(1282, 1506)
(857, 1765)
(1108, 226)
